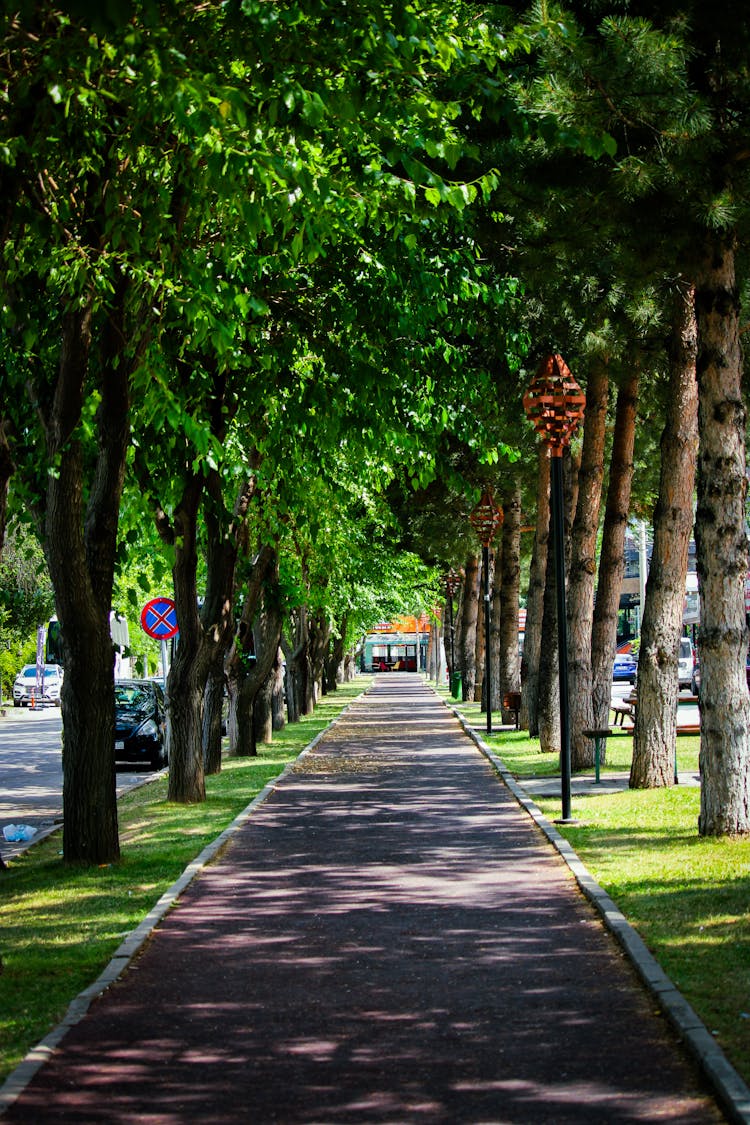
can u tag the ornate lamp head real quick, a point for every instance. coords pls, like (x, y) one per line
(486, 518)
(451, 582)
(554, 403)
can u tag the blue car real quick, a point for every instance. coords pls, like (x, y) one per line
(624, 667)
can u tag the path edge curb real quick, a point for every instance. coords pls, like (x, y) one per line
(34, 1060)
(731, 1090)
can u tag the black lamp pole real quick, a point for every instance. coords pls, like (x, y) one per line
(451, 580)
(555, 403)
(485, 519)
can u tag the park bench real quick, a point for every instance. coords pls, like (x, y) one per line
(622, 709)
(512, 703)
(626, 709)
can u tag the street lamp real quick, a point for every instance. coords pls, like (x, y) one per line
(555, 403)
(485, 519)
(451, 582)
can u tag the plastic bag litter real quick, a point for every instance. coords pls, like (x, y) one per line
(14, 832)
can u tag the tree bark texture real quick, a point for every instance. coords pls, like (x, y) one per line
(548, 698)
(187, 676)
(582, 571)
(278, 715)
(254, 650)
(532, 642)
(550, 734)
(319, 641)
(612, 554)
(334, 666)
(509, 671)
(297, 666)
(722, 551)
(482, 640)
(467, 638)
(80, 546)
(655, 734)
(213, 706)
(495, 625)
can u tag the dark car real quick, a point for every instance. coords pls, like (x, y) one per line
(139, 722)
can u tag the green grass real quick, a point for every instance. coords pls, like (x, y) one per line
(688, 897)
(61, 924)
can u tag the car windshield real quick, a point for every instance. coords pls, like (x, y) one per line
(130, 696)
(30, 673)
(684, 649)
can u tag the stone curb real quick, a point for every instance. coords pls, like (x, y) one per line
(731, 1090)
(19, 1078)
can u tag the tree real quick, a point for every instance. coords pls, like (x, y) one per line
(654, 737)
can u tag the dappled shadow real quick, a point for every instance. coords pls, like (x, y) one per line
(389, 938)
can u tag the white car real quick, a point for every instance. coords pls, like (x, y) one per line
(685, 663)
(26, 691)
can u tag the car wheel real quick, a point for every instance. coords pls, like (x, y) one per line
(159, 757)
(16, 702)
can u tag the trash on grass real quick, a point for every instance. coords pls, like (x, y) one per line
(14, 832)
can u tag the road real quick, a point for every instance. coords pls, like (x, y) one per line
(31, 772)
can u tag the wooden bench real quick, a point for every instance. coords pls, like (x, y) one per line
(625, 708)
(512, 703)
(622, 709)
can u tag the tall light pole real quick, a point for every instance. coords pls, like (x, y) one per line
(451, 582)
(555, 403)
(485, 519)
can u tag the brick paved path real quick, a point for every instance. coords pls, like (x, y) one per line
(388, 939)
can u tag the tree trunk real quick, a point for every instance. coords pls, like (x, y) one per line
(549, 669)
(548, 699)
(532, 641)
(582, 572)
(254, 650)
(80, 547)
(213, 705)
(509, 675)
(655, 734)
(722, 552)
(612, 554)
(297, 667)
(278, 717)
(263, 710)
(466, 648)
(481, 641)
(334, 667)
(187, 676)
(320, 636)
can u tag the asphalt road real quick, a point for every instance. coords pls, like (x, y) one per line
(31, 771)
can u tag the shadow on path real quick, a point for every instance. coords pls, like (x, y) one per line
(389, 938)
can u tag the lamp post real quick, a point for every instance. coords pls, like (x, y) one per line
(555, 403)
(485, 519)
(451, 583)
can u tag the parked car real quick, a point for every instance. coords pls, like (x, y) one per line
(26, 691)
(140, 722)
(625, 667)
(685, 664)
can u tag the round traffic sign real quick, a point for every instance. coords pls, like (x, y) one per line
(159, 619)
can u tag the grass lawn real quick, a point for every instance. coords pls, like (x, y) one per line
(688, 897)
(61, 925)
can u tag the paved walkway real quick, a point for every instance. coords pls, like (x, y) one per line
(388, 938)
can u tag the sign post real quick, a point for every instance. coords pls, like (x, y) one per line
(159, 620)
